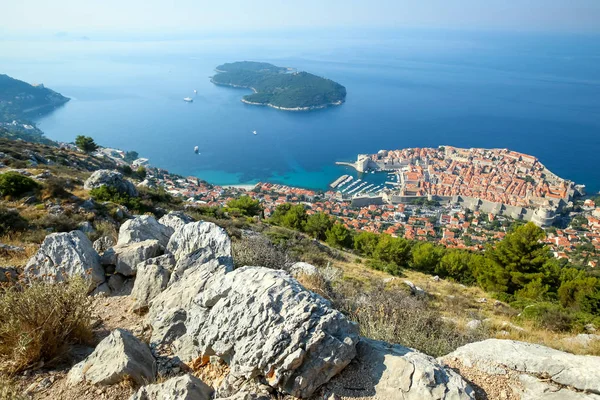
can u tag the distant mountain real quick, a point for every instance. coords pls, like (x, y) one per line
(20, 102)
(279, 87)
(19, 99)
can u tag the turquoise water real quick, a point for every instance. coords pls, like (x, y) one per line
(532, 93)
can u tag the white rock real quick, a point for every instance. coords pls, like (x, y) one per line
(86, 227)
(112, 179)
(116, 282)
(102, 244)
(511, 326)
(186, 387)
(128, 256)
(144, 227)
(473, 324)
(168, 310)
(394, 372)
(175, 220)
(151, 279)
(583, 339)
(262, 322)
(300, 268)
(415, 290)
(102, 290)
(200, 235)
(498, 357)
(120, 355)
(64, 255)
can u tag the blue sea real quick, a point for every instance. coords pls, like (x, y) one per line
(534, 93)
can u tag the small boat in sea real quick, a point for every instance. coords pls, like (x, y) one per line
(188, 99)
(196, 149)
(254, 132)
(195, 91)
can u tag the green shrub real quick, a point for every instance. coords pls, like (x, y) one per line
(549, 316)
(141, 173)
(105, 193)
(11, 221)
(56, 188)
(201, 212)
(389, 267)
(15, 185)
(58, 222)
(339, 236)
(37, 321)
(244, 205)
(86, 143)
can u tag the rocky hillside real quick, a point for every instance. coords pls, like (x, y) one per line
(110, 290)
(19, 103)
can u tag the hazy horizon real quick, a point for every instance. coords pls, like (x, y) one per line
(154, 17)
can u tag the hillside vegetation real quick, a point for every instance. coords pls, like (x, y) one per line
(276, 87)
(20, 102)
(414, 294)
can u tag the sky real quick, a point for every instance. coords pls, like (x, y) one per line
(179, 16)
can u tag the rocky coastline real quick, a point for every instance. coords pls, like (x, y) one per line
(311, 108)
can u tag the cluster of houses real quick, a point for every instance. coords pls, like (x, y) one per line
(447, 224)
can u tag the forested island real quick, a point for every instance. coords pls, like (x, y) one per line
(19, 103)
(281, 88)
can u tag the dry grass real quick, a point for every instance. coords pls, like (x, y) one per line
(315, 283)
(9, 390)
(395, 316)
(258, 250)
(16, 258)
(454, 302)
(37, 321)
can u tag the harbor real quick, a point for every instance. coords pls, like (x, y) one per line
(365, 184)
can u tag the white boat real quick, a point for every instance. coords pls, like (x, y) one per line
(196, 149)
(195, 91)
(188, 99)
(255, 132)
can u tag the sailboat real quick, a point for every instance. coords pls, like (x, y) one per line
(254, 132)
(196, 149)
(195, 91)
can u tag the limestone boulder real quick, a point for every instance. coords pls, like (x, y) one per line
(102, 244)
(474, 324)
(262, 322)
(582, 340)
(111, 179)
(151, 279)
(116, 282)
(185, 387)
(64, 255)
(102, 290)
(168, 311)
(414, 289)
(393, 372)
(302, 268)
(119, 356)
(144, 227)
(86, 227)
(198, 236)
(541, 372)
(175, 220)
(127, 256)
